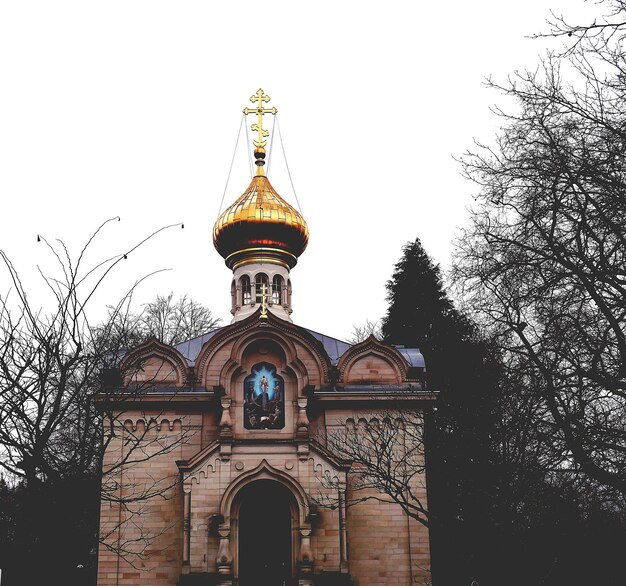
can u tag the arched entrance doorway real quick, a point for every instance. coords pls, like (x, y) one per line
(265, 534)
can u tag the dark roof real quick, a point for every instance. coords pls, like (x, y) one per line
(191, 348)
(413, 356)
(334, 348)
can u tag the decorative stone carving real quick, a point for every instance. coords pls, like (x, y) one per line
(226, 422)
(302, 424)
(306, 554)
(224, 557)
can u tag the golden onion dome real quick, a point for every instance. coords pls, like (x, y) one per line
(260, 227)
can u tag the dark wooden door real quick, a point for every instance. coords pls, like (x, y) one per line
(265, 535)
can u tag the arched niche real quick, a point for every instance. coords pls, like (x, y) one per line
(232, 349)
(263, 388)
(266, 345)
(265, 534)
(263, 350)
(263, 395)
(241, 490)
(265, 471)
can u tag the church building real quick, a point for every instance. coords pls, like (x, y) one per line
(220, 469)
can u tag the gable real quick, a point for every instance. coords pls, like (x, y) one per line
(371, 368)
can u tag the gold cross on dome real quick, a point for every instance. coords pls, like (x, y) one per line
(264, 296)
(262, 134)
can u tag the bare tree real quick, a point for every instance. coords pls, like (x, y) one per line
(543, 261)
(601, 34)
(173, 322)
(385, 451)
(369, 328)
(169, 321)
(57, 414)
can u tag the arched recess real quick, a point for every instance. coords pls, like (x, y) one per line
(283, 347)
(222, 356)
(279, 355)
(239, 493)
(263, 396)
(355, 359)
(153, 362)
(265, 534)
(265, 471)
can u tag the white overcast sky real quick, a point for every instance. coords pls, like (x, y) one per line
(132, 108)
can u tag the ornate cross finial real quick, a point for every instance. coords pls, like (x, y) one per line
(264, 296)
(262, 134)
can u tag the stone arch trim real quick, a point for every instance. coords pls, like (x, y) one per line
(292, 361)
(377, 348)
(230, 369)
(265, 471)
(274, 328)
(239, 283)
(154, 348)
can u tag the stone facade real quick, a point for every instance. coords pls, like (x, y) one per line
(182, 434)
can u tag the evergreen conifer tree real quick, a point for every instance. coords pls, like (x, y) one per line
(462, 369)
(416, 299)
(421, 314)
(497, 514)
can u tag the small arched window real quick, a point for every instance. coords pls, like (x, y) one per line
(233, 295)
(246, 290)
(277, 290)
(259, 281)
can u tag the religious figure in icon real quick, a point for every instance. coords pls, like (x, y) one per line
(264, 398)
(278, 396)
(250, 393)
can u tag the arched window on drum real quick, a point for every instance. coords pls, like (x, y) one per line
(259, 281)
(277, 290)
(246, 290)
